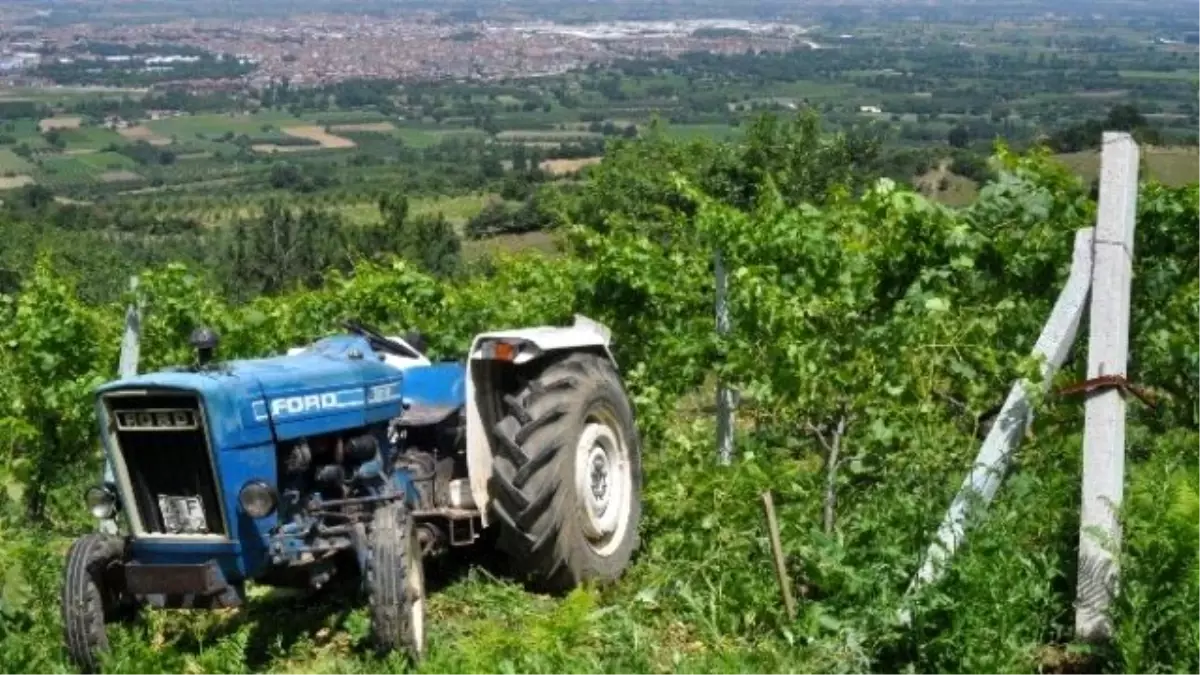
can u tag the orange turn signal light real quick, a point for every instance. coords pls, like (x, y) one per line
(504, 351)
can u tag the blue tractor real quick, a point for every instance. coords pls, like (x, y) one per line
(356, 454)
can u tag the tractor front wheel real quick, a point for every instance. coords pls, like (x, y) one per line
(91, 597)
(395, 580)
(567, 475)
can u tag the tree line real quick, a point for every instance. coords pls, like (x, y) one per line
(277, 249)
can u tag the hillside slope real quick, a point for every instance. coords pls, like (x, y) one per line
(903, 319)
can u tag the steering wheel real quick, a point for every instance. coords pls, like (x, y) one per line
(380, 342)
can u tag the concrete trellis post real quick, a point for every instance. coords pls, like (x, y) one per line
(1015, 416)
(131, 340)
(724, 393)
(1108, 353)
(130, 352)
(1103, 264)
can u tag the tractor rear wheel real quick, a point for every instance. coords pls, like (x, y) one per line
(395, 581)
(566, 482)
(91, 597)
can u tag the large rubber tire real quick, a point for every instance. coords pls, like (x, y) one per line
(395, 581)
(539, 464)
(89, 599)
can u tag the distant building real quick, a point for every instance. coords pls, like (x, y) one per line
(173, 58)
(19, 61)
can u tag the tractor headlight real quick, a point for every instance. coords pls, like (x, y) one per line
(101, 501)
(257, 499)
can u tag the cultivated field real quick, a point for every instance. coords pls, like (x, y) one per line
(271, 148)
(59, 123)
(457, 209)
(943, 185)
(421, 137)
(315, 133)
(544, 136)
(325, 139)
(119, 176)
(692, 131)
(10, 182)
(63, 94)
(144, 133)
(1174, 166)
(366, 127)
(57, 171)
(544, 242)
(89, 138)
(11, 162)
(217, 124)
(559, 167)
(324, 117)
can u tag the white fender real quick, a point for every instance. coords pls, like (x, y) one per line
(483, 405)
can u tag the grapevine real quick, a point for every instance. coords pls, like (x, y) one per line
(901, 319)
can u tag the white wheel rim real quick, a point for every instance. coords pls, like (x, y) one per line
(415, 588)
(603, 483)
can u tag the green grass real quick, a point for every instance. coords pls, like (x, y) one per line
(106, 161)
(344, 117)
(689, 132)
(90, 138)
(457, 209)
(1176, 75)
(194, 145)
(193, 125)
(1171, 166)
(25, 131)
(478, 619)
(62, 170)
(510, 243)
(476, 623)
(66, 94)
(947, 187)
(817, 91)
(543, 135)
(10, 162)
(421, 137)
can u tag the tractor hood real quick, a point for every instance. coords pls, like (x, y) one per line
(335, 384)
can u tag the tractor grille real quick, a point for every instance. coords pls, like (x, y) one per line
(162, 440)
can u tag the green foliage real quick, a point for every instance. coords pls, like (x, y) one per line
(903, 319)
(1087, 134)
(288, 176)
(49, 338)
(282, 250)
(1156, 611)
(427, 240)
(498, 218)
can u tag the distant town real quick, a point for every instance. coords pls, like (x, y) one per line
(324, 49)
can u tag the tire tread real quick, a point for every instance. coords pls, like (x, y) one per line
(385, 575)
(84, 610)
(527, 478)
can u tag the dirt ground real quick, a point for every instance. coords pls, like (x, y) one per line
(318, 134)
(382, 127)
(144, 133)
(59, 123)
(10, 182)
(118, 176)
(559, 167)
